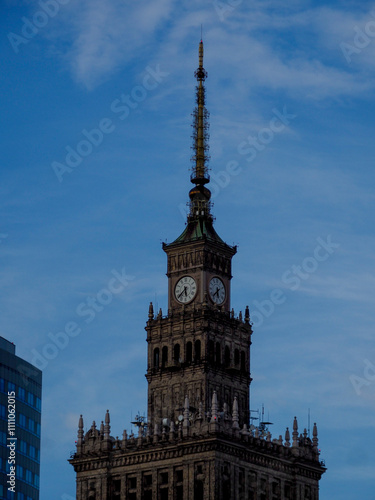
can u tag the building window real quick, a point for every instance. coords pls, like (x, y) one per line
(164, 494)
(241, 484)
(23, 446)
(147, 480)
(38, 403)
(199, 491)
(287, 491)
(21, 394)
(3, 412)
(2, 385)
(307, 493)
(19, 471)
(211, 351)
(176, 353)
(11, 387)
(32, 451)
(156, 357)
(179, 492)
(29, 476)
(178, 489)
(3, 438)
(197, 350)
(163, 486)
(226, 483)
(30, 398)
(236, 357)
(218, 353)
(22, 420)
(31, 425)
(164, 478)
(243, 362)
(132, 488)
(227, 356)
(179, 476)
(147, 487)
(276, 492)
(132, 483)
(164, 357)
(189, 352)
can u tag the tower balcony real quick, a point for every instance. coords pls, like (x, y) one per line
(197, 179)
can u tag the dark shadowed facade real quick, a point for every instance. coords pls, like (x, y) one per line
(197, 444)
(20, 419)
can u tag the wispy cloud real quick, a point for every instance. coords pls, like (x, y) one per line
(101, 36)
(97, 38)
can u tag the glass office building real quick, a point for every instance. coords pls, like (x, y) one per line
(20, 417)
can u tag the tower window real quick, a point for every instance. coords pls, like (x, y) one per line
(236, 357)
(156, 357)
(227, 356)
(164, 356)
(197, 348)
(189, 352)
(218, 353)
(176, 353)
(211, 351)
(243, 362)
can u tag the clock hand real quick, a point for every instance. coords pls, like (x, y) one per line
(217, 291)
(184, 290)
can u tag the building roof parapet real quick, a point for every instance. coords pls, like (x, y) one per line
(204, 311)
(196, 431)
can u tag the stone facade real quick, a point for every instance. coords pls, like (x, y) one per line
(193, 353)
(202, 458)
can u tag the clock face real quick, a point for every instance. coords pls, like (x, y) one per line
(185, 289)
(217, 290)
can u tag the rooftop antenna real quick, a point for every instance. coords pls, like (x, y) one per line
(201, 32)
(139, 421)
(262, 426)
(308, 422)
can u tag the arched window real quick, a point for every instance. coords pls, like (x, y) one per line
(189, 352)
(156, 357)
(197, 350)
(218, 353)
(176, 353)
(164, 356)
(211, 351)
(243, 362)
(227, 356)
(236, 357)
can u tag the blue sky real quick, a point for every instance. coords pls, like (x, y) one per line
(281, 187)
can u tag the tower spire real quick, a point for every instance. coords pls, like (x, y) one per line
(200, 195)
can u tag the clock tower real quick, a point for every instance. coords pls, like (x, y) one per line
(196, 443)
(199, 347)
(199, 262)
